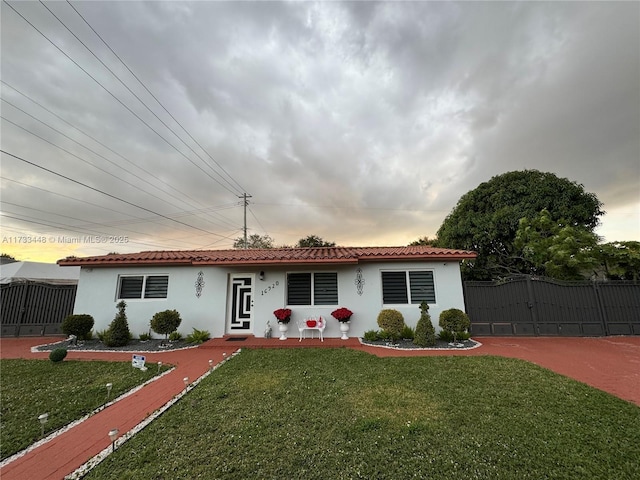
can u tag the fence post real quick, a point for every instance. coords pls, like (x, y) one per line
(601, 312)
(531, 303)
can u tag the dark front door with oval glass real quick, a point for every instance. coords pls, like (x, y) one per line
(241, 303)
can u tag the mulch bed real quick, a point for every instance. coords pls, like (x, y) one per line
(153, 345)
(406, 344)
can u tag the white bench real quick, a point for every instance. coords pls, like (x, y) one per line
(303, 326)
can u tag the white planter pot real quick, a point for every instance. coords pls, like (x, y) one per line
(283, 327)
(344, 328)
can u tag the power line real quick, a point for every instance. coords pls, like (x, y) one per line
(125, 85)
(108, 194)
(154, 97)
(116, 98)
(218, 217)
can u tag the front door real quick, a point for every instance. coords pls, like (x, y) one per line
(241, 304)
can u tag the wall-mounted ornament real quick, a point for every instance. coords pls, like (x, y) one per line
(199, 283)
(359, 281)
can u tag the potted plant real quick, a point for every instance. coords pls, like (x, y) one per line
(343, 315)
(284, 317)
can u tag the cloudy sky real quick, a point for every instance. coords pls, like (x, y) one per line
(132, 126)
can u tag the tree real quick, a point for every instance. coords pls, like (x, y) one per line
(6, 258)
(165, 322)
(254, 241)
(425, 332)
(118, 334)
(556, 249)
(487, 218)
(620, 260)
(314, 241)
(432, 242)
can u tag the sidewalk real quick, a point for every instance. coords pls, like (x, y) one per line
(68, 451)
(611, 364)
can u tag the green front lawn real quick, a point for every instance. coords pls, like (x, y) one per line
(66, 391)
(333, 414)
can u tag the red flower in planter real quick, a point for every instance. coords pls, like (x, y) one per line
(283, 315)
(342, 314)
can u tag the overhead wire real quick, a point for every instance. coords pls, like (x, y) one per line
(217, 216)
(154, 97)
(116, 98)
(108, 194)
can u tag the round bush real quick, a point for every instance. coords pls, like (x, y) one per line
(166, 322)
(454, 320)
(58, 355)
(391, 321)
(79, 325)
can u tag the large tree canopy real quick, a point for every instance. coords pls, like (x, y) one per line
(487, 218)
(556, 249)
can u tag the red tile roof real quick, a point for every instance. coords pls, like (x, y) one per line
(257, 257)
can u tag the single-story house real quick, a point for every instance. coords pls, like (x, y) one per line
(235, 292)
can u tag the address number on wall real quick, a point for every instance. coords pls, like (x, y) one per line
(270, 287)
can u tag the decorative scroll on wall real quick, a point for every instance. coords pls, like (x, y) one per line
(199, 283)
(359, 281)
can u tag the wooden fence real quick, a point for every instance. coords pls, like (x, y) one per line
(528, 305)
(31, 308)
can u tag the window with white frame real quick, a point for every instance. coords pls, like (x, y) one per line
(142, 286)
(319, 288)
(410, 286)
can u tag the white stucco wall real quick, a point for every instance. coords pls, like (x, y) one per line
(97, 291)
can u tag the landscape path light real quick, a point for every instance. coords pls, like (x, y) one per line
(186, 382)
(43, 419)
(109, 387)
(113, 435)
(210, 364)
(159, 366)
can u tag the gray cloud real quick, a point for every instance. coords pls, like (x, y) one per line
(363, 122)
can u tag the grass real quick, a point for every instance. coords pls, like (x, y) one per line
(66, 391)
(338, 414)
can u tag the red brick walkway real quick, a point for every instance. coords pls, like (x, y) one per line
(611, 364)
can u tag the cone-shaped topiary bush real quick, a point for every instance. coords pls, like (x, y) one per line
(118, 333)
(425, 332)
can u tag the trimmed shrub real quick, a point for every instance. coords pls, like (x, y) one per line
(118, 333)
(407, 333)
(425, 332)
(166, 322)
(79, 325)
(371, 336)
(145, 336)
(198, 336)
(175, 336)
(392, 322)
(58, 355)
(448, 336)
(455, 321)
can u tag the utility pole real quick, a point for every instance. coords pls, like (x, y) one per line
(245, 202)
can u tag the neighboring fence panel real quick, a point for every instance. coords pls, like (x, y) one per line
(540, 306)
(30, 309)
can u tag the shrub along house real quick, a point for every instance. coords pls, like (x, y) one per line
(234, 292)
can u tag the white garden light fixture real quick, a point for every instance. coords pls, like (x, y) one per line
(109, 387)
(113, 435)
(43, 419)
